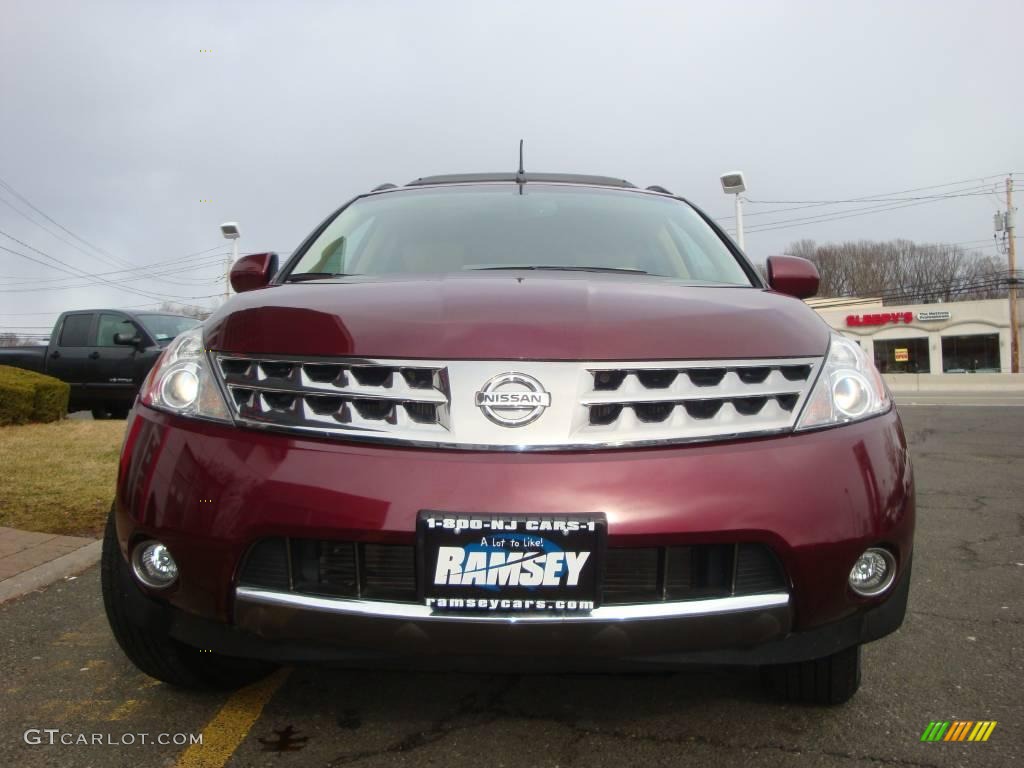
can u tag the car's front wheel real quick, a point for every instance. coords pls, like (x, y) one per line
(825, 681)
(146, 641)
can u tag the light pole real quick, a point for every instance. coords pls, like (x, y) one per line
(230, 231)
(733, 184)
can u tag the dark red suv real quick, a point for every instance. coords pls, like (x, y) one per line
(539, 422)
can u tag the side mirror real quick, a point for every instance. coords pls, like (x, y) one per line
(793, 276)
(253, 271)
(128, 339)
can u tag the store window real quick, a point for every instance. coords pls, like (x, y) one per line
(971, 354)
(902, 356)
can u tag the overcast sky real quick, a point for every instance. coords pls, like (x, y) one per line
(116, 124)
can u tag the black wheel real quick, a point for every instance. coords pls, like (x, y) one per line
(100, 412)
(825, 681)
(145, 639)
(120, 411)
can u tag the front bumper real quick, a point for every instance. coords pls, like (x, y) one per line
(817, 499)
(288, 632)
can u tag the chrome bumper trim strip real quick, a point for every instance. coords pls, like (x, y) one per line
(611, 613)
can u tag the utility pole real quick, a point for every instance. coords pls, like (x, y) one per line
(1011, 250)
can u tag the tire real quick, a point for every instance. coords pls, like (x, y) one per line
(120, 411)
(100, 413)
(145, 639)
(827, 681)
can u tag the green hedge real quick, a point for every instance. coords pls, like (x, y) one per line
(28, 396)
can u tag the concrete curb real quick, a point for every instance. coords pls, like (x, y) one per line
(72, 563)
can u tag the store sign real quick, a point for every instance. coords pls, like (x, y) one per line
(901, 354)
(881, 318)
(935, 316)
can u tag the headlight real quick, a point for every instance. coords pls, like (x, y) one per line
(182, 381)
(849, 388)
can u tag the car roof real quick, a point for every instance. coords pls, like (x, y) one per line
(511, 176)
(130, 312)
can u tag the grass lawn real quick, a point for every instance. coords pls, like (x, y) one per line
(59, 477)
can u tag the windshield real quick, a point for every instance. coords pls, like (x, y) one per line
(458, 228)
(163, 328)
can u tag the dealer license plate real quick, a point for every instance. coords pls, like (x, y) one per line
(510, 563)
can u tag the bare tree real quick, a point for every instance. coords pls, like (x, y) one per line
(902, 271)
(188, 310)
(9, 339)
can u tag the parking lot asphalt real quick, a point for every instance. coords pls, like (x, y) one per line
(959, 656)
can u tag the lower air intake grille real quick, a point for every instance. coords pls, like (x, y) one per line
(758, 570)
(267, 564)
(650, 574)
(632, 575)
(389, 572)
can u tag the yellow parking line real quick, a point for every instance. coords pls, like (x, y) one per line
(227, 729)
(123, 710)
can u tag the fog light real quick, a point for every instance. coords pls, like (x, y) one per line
(153, 564)
(873, 572)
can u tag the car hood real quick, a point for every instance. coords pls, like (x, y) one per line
(517, 315)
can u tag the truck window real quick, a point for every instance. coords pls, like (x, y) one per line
(163, 328)
(110, 325)
(76, 331)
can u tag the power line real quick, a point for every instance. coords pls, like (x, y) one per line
(125, 279)
(972, 192)
(820, 204)
(18, 195)
(867, 198)
(821, 219)
(81, 273)
(55, 313)
(950, 288)
(171, 266)
(58, 311)
(58, 237)
(69, 269)
(61, 282)
(812, 203)
(119, 273)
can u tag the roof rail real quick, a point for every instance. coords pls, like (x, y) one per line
(381, 187)
(658, 188)
(562, 178)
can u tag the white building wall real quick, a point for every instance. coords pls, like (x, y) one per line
(967, 318)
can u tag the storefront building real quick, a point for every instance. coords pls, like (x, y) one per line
(958, 337)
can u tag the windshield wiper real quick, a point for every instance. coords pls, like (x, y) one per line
(303, 276)
(561, 268)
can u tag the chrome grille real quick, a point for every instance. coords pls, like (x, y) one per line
(697, 399)
(401, 401)
(592, 405)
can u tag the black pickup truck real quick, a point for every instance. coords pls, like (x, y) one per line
(104, 354)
